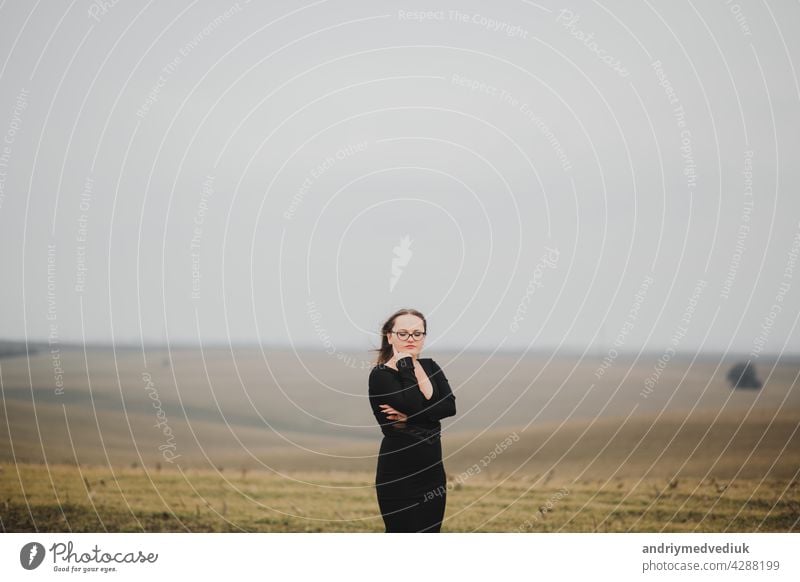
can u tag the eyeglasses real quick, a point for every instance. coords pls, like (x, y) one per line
(404, 335)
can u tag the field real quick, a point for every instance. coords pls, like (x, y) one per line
(548, 446)
(95, 499)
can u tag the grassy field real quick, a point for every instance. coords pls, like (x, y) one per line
(274, 449)
(90, 499)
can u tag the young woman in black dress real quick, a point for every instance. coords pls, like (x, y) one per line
(409, 395)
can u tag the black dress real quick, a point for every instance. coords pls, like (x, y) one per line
(410, 481)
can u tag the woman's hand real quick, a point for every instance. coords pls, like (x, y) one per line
(398, 355)
(395, 415)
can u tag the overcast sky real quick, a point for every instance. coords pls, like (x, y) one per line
(577, 175)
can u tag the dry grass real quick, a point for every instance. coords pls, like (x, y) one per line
(89, 499)
(296, 455)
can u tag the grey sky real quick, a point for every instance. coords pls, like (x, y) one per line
(283, 153)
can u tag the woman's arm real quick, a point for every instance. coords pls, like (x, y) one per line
(385, 388)
(446, 404)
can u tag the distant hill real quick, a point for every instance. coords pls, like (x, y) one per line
(11, 349)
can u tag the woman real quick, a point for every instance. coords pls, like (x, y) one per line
(408, 396)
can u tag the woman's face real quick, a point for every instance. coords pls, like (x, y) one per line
(409, 323)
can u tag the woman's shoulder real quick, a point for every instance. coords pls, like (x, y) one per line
(429, 361)
(381, 368)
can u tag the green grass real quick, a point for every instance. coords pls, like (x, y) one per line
(94, 499)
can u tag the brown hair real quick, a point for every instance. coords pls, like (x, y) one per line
(385, 351)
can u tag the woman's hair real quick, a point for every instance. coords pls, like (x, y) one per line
(385, 351)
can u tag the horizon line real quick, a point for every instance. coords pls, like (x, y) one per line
(556, 350)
